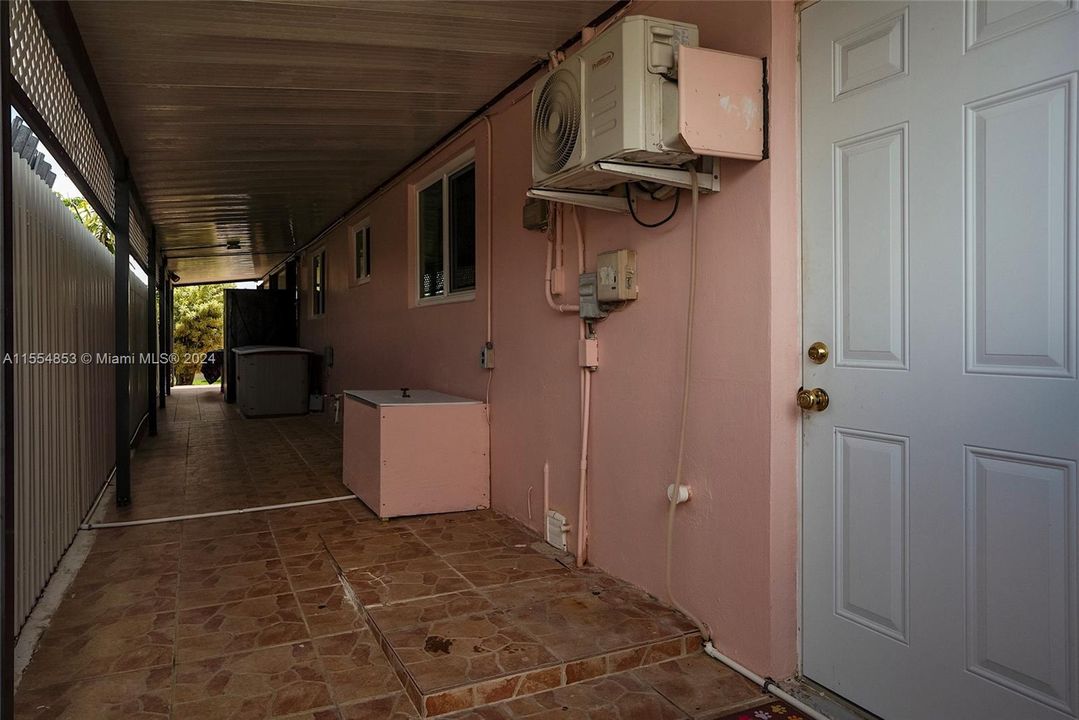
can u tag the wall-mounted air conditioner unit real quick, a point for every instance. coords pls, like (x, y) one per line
(643, 94)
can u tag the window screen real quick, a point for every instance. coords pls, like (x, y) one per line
(318, 284)
(432, 278)
(462, 228)
(362, 252)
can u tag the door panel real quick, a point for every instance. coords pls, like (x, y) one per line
(940, 500)
(871, 531)
(1017, 151)
(871, 249)
(1018, 534)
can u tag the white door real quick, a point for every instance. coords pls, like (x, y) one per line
(941, 545)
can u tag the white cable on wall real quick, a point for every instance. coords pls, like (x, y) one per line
(706, 633)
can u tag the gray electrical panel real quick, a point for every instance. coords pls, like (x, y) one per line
(588, 292)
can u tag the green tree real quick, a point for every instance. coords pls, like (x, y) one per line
(200, 323)
(89, 218)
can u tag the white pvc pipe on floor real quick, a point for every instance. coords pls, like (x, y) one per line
(97, 501)
(766, 684)
(218, 513)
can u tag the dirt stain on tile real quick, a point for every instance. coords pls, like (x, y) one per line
(438, 645)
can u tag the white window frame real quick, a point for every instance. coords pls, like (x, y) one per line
(320, 255)
(460, 162)
(365, 226)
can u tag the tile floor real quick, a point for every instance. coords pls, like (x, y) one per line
(207, 457)
(323, 612)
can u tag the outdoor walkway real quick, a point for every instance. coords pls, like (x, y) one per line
(207, 457)
(323, 612)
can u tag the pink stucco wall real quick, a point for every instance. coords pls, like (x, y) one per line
(736, 541)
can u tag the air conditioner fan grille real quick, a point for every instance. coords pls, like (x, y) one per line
(557, 121)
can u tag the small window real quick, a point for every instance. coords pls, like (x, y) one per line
(318, 284)
(361, 252)
(446, 232)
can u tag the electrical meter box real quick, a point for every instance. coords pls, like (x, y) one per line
(588, 297)
(617, 276)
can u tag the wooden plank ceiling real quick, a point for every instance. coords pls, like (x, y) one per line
(262, 122)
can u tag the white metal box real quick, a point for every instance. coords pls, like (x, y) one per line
(424, 453)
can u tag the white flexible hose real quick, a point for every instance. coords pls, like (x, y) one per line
(766, 684)
(695, 190)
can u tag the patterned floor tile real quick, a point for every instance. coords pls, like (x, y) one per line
(356, 667)
(88, 602)
(311, 571)
(504, 565)
(269, 683)
(141, 695)
(223, 526)
(308, 515)
(449, 653)
(701, 686)
(385, 547)
(443, 519)
(458, 538)
(312, 538)
(230, 583)
(106, 539)
(244, 616)
(330, 610)
(390, 707)
(398, 615)
(549, 586)
(103, 647)
(615, 697)
(360, 511)
(300, 493)
(398, 581)
(118, 565)
(236, 627)
(231, 550)
(583, 625)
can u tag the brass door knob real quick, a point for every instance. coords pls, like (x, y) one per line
(818, 353)
(814, 399)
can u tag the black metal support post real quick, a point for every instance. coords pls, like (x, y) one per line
(151, 332)
(162, 343)
(7, 385)
(290, 275)
(121, 271)
(171, 317)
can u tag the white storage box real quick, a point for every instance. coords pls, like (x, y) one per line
(425, 453)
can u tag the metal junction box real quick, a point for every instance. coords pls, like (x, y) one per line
(617, 276)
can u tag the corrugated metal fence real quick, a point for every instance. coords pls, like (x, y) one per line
(64, 405)
(136, 334)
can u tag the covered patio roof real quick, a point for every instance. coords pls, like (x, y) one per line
(262, 123)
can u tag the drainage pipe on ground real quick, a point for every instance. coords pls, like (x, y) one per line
(217, 513)
(768, 685)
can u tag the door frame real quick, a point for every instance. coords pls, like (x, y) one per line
(799, 7)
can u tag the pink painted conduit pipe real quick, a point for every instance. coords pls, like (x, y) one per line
(554, 237)
(555, 253)
(586, 407)
(582, 499)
